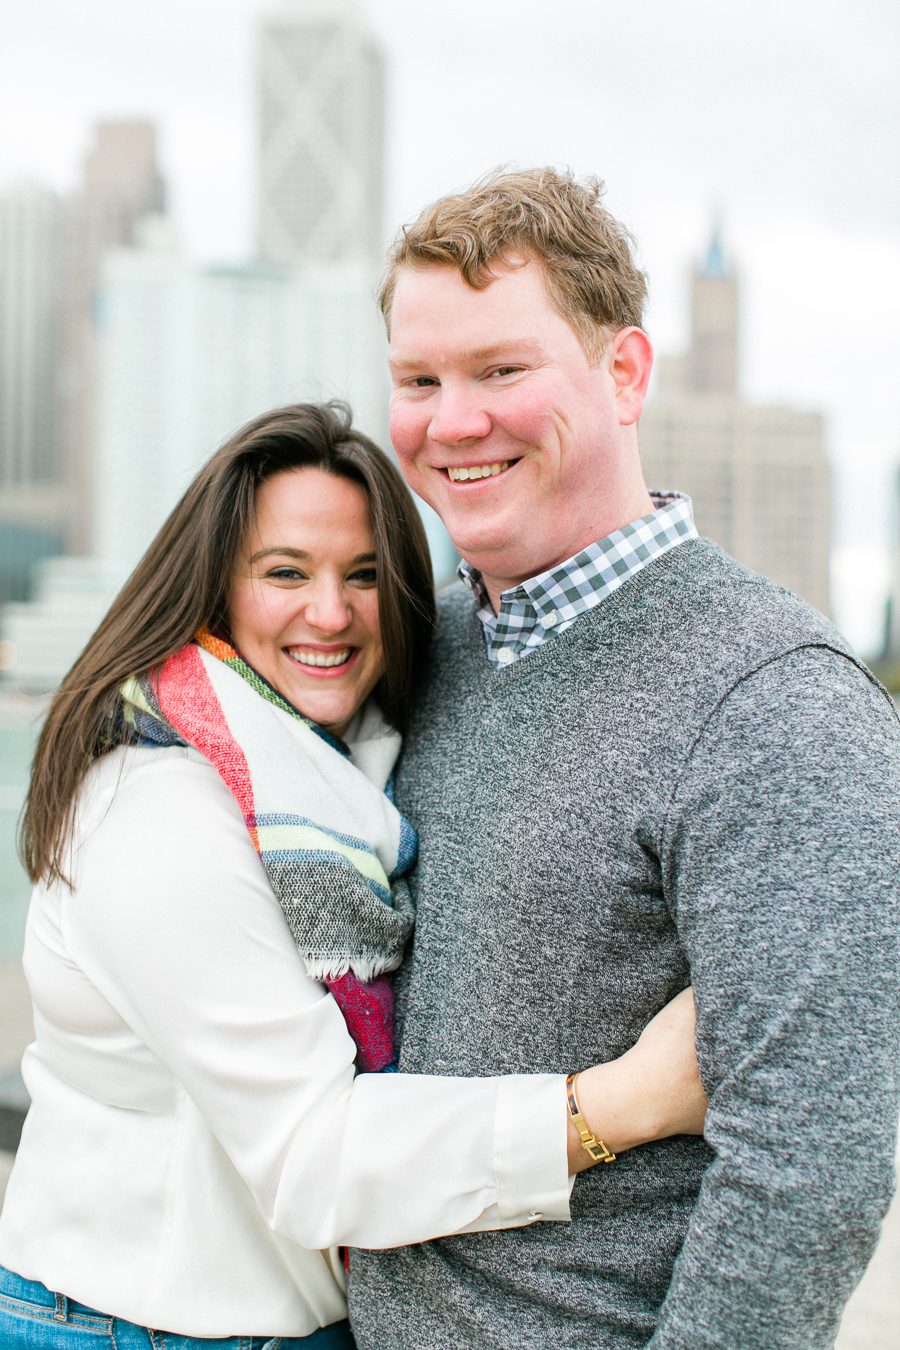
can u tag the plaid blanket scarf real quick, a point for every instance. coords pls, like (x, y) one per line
(333, 845)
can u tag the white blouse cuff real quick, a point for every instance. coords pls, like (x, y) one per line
(531, 1133)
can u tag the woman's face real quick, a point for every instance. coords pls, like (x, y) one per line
(303, 603)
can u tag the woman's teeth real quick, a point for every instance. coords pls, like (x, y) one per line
(304, 657)
(477, 471)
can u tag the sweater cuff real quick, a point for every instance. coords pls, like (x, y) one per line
(531, 1148)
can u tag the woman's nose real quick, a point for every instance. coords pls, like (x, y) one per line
(327, 608)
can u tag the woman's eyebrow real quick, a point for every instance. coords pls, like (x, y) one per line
(278, 548)
(287, 552)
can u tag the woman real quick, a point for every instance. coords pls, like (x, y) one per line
(197, 1143)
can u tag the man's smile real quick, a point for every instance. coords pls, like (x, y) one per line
(462, 473)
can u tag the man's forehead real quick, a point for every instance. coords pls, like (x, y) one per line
(432, 302)
(421, 277)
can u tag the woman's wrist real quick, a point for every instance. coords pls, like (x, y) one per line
(616, 1103)
(651, 1092)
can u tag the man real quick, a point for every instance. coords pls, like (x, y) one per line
(635, 765)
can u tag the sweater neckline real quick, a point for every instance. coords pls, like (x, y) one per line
(555, 647)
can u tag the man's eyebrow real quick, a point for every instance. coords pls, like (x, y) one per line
(514, 347)
(511, 347)
(284, 551)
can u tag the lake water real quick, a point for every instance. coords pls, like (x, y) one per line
(19, 726)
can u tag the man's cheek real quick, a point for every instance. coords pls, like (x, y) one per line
(406, 437)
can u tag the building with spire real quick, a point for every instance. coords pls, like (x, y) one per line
(758, 476)
(712, 359)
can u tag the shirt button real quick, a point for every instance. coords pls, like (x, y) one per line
(505, 655)
(549, 619)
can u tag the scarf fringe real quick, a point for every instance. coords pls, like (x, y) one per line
(365, 968)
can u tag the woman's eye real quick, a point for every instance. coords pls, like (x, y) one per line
(286, 574)
(365, 576)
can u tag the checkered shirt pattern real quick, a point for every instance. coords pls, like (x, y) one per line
(548, 604)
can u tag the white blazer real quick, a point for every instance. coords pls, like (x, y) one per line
(197, 1143)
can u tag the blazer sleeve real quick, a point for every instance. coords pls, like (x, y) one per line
(782, 860)
(174, 922)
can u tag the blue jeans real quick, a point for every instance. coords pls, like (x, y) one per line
(33, 1318)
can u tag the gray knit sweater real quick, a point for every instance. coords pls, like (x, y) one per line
(696, 782)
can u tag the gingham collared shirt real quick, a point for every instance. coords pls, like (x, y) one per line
(547, 605)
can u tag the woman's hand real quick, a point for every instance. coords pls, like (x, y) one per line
(650, 1092)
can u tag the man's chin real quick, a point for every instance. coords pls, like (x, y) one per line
(502, 564)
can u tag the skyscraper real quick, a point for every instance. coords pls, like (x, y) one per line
(321, 135)
(759, 476)
(30, 497)
(121, 184)
(188, 353)
(29, 246)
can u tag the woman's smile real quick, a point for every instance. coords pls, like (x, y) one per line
(322, 659)
(303, 605)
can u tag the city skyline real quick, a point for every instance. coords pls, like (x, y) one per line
(781, 121)
(165, 357)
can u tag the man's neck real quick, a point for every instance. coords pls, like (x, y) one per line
(642, 505)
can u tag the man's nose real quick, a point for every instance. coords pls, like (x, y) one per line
(458, 415)
(327, 608)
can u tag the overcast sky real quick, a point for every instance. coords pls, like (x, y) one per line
(783, 117)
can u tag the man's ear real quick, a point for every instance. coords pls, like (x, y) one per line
(631, 360)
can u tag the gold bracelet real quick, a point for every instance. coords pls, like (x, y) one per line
(593, 1146)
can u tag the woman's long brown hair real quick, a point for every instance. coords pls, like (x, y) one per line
(182, 584)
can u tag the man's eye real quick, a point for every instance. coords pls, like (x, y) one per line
(506, 370)
(423, 381)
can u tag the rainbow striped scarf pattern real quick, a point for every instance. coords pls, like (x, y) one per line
(334, 847)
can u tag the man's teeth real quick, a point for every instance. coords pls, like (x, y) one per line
(477, 471)
(307, 658)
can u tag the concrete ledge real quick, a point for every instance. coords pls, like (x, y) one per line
(11, 1123)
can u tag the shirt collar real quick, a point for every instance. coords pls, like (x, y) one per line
(562, 593)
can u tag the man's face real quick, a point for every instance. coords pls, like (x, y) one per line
(500, 421)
